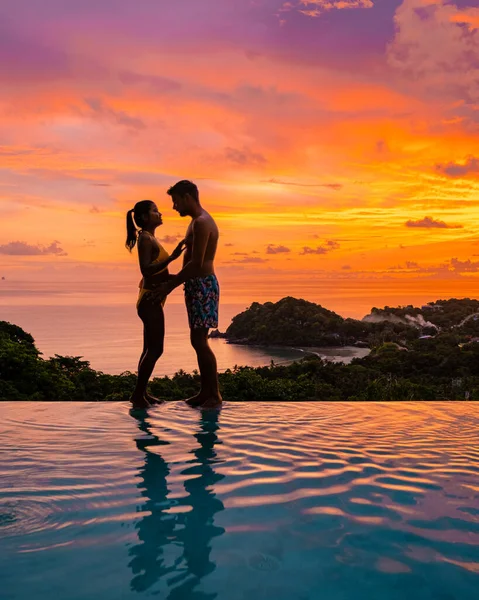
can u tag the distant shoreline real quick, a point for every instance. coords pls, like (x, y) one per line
(328, 353)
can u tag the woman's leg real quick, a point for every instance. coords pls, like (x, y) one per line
(151, 399)
(154, 331)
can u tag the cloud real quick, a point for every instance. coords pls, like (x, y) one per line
(332, 244)
(95, 210)
(244, 157)
(333, 186)
(170, 239)
(346, 267)
(24, 249)
(309, 250)
(464, 266)
(251, 259)
(271, 249)
(314, 8)
(451, 268)
(429, 223)
(454, 169)
(328, 246)
(229, 245)
(382, 147)
(448, 70)
(100, 109)
(154, 82)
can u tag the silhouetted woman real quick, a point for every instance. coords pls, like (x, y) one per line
(141, 222)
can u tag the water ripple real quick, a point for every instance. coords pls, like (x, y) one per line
(291, 500)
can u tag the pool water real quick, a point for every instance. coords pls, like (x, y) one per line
(296, 501)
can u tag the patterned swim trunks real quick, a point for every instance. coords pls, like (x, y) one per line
(202, 297)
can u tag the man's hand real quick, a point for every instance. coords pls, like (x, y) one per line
(160, 292)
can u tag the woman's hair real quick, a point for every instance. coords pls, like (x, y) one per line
(135, 217)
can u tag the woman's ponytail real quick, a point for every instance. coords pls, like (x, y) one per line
(131, 232)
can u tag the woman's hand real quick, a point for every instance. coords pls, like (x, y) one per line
(178, 250)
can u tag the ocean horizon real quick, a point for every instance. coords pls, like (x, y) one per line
(98, 321)
(101, 325)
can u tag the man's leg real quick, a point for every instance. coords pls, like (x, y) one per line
(208, 369)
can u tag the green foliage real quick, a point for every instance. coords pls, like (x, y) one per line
(444, 367)
(293, 322)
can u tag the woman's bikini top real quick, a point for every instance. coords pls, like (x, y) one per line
(162, 256)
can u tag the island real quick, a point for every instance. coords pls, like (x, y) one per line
(416, 353)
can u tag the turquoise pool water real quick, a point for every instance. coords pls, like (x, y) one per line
(296, 501)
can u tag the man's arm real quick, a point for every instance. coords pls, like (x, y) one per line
(193, 267)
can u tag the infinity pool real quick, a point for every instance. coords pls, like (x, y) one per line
(293, 501)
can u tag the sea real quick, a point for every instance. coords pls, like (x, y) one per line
(101, 326)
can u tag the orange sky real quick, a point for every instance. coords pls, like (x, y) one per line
(336, 143)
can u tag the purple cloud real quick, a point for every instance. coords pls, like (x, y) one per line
(333, 186)
(251, 259)
(170, 239)
(430, 223)
(271, 249)
(464, 266)
(453, 169)
(24, 249)
(315, 8)
(244, 157)
(154, 82)
(100, 109)
(328, 246)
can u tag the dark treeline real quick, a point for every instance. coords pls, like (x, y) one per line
(437, 368)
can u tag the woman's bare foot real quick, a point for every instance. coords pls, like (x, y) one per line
(153, 399)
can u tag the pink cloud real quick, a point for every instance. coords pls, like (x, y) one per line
(272, 249)
(170, 239)
(328, 246)
(454, 169)
(314, 8)
(445, 70)
(429, 223)
(24, 249)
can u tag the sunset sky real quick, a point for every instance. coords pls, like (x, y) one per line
(335, 142)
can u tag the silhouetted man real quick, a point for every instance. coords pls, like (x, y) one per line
(201, 287)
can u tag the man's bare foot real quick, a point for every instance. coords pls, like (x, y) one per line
(212, 402)
(196, 400)
(139, 403)
(153, 399)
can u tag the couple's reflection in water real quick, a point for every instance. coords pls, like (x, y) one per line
(175, 547)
